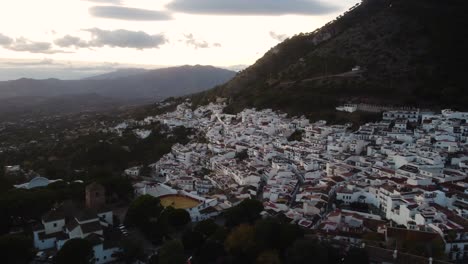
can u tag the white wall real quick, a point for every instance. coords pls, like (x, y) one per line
(107, 216)
(43, 244)
(54, 226)
(102, 255)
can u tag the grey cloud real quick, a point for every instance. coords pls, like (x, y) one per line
(125, 39)
(249, 7)
(23, 44)
(5, 40)
(11, 69)
(43, 62)
(127, 13)
(199, 44)
(70, 41)
(117, 2)
(278, 37)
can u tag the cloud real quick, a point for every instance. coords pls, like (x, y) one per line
(116, 2)
(12, 69)
(26, 45)
(199, 44)
(126, 13)
(43, 62)
(71, 41)
(125, 39)
(5, 40)
(278, 37)
(113, 38)
(249, 7)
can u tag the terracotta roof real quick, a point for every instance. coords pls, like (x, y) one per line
(58, 235)
(87, 214)
(208, 210)
(91, 227)
(72, 224)
(411, 235)
(53, 215)
(95, 239)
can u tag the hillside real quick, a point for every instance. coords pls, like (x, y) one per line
(53, 96)
(121, 73)
(410, 53)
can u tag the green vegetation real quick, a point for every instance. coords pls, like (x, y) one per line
(249, 239)
(242, 155)
(132, 249)
(178, 217)
(75, 251)
(18, 206)
(410, 53)
(16, 249)
(296, 136)
(248, 211)
(144, 213)
(172, 252)
(84, 156)
(156, 222)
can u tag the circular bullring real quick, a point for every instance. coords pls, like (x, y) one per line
(178, 201)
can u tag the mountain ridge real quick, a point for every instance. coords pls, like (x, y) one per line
(410, 53)
(146, 87)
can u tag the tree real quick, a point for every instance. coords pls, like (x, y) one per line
(242, 155)
(209, 252)
(268, 257)
(146, 171)
(296, 136)
(142, 211)
(303, 251)
(179, 218)
(206, 227)
(275, 235)
(119, 186)
(147, 214)
(15, 249)
(172, 252)
(75, 251)
(241, 242)
(248, 211)
(192, 239)
(132, 249)
(356, 255)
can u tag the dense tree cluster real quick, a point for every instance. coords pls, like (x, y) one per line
(16, 249)
(75, 251)
(296, 136)
(156, 222)
(250, 239)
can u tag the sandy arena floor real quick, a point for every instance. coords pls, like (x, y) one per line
(178, 202)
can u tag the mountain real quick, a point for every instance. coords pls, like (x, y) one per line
(408, 53)
(120, 73)
(135, 86)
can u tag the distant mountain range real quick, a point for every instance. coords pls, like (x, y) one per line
(409, 53)
(120, 73)
(121, 87)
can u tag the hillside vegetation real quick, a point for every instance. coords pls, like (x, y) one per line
(410, 53)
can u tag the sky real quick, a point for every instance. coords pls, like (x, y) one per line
(70, 39)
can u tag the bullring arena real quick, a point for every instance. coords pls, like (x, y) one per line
(178, 201)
